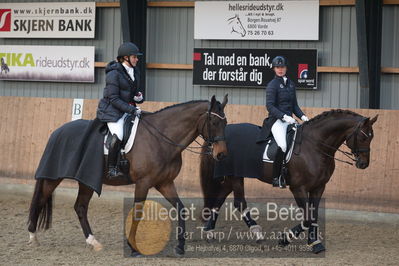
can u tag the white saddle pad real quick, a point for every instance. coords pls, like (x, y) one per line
(130, 141)
(287, 156)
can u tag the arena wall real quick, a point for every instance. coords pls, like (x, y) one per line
(170, 41)
(28, 122)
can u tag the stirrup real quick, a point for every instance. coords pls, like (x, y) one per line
(114, 172)
(275, 182)
(279, 182)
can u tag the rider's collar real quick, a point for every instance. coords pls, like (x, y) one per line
(282, 79)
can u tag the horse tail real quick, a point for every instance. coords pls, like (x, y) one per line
(39, 211)
(210, 186)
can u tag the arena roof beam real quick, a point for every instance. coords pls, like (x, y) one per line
(369, 30)
(134, 29)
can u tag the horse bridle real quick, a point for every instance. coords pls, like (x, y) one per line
(356, 150)
(211, 140)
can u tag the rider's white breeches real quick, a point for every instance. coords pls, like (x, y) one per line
(279, 131)
(117, 127)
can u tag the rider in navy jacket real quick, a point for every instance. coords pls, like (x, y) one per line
(281, 103)
(121, 94)
(281, 98)
(118, 93)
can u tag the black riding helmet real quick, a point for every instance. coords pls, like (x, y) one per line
(279, 61)
(128, 49)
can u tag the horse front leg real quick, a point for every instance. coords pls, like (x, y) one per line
(225, 190)
(140, 195)
(302, 200)
(81, 208)
(241, 204)
(314, 234)
(168, 190)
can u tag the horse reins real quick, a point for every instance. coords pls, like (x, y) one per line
(354, 152)
(208, 141)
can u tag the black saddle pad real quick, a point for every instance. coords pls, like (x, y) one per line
(245, 155)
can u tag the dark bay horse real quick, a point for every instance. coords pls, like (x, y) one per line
(308, 172)
(156, 160)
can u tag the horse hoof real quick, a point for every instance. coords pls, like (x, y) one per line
(209, 236)
(210, 240)
(316, 249)
(136, 254)
(98, 247)
(257, 230)
(33, 242)
(179, 252)
(283, 242)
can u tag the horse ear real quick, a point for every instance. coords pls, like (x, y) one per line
(372, 121)
(225, 100)
(213, 101)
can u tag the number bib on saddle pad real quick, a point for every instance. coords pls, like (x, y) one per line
(129, 134)
(271, 147)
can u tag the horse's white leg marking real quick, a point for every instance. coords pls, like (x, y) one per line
(257, 230)
(91, 240)
(33, 239)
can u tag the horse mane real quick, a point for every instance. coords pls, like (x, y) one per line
(179, 104)
(330, 113)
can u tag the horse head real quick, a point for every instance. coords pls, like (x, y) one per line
(359, 141)
(236, 25)
(213, 129)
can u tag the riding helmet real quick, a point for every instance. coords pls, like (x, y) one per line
(279, 61)
(127, 49)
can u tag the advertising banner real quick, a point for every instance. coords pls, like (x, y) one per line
(47, 63)
(257, 20)
(252, 67)
(47, 20)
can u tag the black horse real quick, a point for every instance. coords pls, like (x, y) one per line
(308, 171)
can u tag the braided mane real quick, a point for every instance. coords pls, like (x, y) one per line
(330, 113)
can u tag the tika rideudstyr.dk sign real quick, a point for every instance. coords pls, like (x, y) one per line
(47, 63)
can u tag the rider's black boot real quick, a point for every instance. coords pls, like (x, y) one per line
(278, 174)
(113, 152)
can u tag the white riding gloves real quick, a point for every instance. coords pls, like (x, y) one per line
(289, 119)
(138, 97)
(304, 118)
(138, 111)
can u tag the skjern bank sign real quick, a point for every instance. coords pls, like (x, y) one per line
(47, 20)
